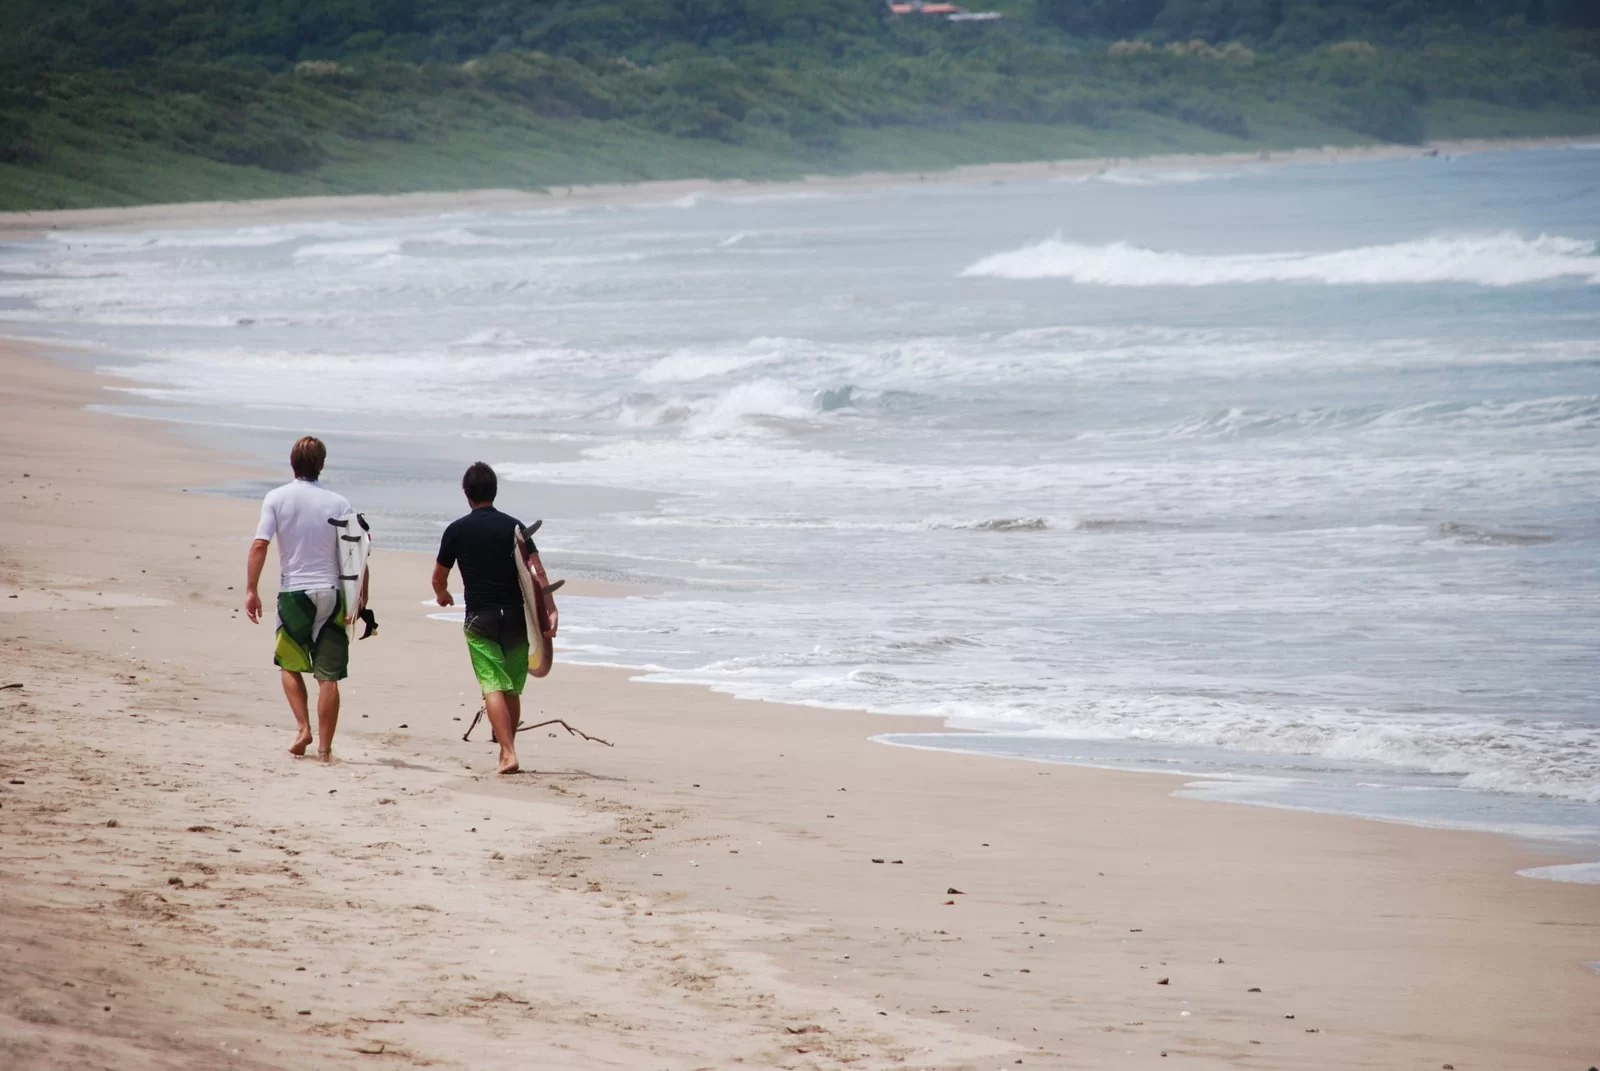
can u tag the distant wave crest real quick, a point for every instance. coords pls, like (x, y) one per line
(1495, 260)
(1563, 413)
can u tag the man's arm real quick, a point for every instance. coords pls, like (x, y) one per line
(256, 561)
(441, 585)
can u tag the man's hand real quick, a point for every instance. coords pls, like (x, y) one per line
(441, 586)
(554, 618)
(252, 578)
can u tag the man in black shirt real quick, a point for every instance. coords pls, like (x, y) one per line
(482, 543)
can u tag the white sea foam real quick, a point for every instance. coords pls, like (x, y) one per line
(491, 337)
(1576, 873)
(358, 247)
(1497, 260)
(463, 238)
(1528, 761)
(686, 366)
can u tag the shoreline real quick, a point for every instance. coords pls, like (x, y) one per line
(702, 894)
(21, 226)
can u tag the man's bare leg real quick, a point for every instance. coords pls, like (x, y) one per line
(327, 718)
(294, 689)
(500, 707)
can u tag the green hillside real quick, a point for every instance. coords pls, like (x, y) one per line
(105, 102)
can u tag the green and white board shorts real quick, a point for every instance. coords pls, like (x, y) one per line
(312, 634)
(497, 640)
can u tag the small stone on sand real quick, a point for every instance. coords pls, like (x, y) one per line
(111, 823)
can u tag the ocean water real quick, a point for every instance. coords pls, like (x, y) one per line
(1282, 478)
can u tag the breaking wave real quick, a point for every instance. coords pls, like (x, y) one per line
(1496, 260)
(742, 407)
(1004, 524)
(1470, 535)
(1163, 178)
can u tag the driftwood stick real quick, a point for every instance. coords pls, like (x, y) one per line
(524, 727)
(568, 728)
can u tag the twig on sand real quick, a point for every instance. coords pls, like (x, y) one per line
(522, 728)
(568, 728)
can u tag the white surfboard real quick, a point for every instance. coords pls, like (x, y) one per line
(355, 542)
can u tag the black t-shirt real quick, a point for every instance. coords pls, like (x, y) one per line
(481, 542)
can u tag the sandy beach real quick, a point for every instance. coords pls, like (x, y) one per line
(20, 225)
(731, 884)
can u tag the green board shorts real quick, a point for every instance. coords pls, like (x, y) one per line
(497, 640)
(312, 635)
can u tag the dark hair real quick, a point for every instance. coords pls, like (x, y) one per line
(480, 483)
(307, 458)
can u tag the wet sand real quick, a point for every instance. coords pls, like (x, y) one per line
(177, 892)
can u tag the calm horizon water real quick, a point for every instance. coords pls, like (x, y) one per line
(1283, 478)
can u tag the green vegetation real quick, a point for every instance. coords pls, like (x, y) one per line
(117, 102)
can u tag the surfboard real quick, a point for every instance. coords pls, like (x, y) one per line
(537, 605)
(355, 543)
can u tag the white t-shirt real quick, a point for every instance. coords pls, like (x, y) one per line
(308, 546)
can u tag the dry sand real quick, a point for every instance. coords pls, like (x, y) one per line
(18, 225)
(176, 892)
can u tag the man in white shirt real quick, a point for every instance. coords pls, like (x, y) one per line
(313, 630)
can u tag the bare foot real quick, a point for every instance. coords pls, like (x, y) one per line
(325, 757)
(508, 763)
(301, 742)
